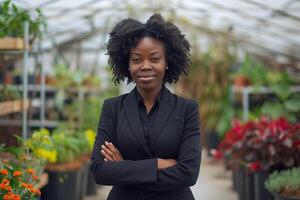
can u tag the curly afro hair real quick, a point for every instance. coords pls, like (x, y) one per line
(125, 36)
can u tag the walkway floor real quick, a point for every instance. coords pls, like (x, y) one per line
(214, 183)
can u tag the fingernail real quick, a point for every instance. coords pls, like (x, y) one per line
(102, 146)
(105, 159)
(106, 142)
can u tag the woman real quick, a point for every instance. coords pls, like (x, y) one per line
(148, 141)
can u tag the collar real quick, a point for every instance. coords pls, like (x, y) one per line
(158, 98)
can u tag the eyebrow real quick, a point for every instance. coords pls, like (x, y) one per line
(153, 52)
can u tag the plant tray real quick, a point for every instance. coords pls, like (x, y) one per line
(9, 43)
(14, 106)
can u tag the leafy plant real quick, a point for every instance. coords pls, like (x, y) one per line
(263, 144)
(208, 83)
(286, 183)
(12, 20)
(255, 72)
(62, 146)
(42, 145)
(286, 106)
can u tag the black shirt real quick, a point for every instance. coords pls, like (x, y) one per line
(148, 119)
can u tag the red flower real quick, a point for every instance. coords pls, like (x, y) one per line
(216, 154)
(254, 166)
(5, 181)
(4, 171)
(30, 171)
(3, 186)
(17, 173)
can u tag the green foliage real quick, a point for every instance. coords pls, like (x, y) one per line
(227, 114)
(63, 145)
(77, 78)
(254, 71)
(63, 74)
(208, 83)
(8, 93)
(285, 180)
(92, 107)
(286, 107)
(12, 20)
(67, 145)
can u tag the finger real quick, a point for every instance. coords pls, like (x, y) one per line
(114, 150)
(111, 147)
(106, 155)
(109, 152)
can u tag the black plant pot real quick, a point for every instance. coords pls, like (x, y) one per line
(249, 185)
(235, 179)
(241, 183)
(62, 186)
(84, 182)
(91, 185)
(261, 193)
(279, 197)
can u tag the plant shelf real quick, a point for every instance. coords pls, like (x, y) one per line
(14, 106)
(9, 43)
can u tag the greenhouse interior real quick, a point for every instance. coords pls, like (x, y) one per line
(55, 77)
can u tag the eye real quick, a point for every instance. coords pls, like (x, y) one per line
(155, 59)
(135, 60)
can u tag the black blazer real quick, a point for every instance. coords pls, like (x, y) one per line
(175, 134)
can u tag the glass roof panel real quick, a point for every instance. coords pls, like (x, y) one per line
(273, 24)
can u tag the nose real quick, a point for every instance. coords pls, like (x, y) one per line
(146, 66)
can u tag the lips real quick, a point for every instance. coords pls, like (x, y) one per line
(146, 77)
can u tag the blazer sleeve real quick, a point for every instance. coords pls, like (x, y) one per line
(185, 172)
(122, 172)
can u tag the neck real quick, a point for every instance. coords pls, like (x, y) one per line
(149, 96)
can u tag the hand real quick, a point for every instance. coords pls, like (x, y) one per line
(165, 163)
(110, 152)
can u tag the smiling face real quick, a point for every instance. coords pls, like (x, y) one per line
(147, 63)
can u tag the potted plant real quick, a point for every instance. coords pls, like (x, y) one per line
(285, 185)
(63, 150)
(20, 174)
(285, 103)
(209, 84)
(250, 72)
(262, 146)
(12, 25)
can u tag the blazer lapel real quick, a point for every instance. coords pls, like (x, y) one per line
(133, 117)
(163, 115)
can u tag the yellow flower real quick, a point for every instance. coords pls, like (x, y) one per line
(50, 156)
(90, 136)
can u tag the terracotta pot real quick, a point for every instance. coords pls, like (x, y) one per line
(241, 81)
(8, 78)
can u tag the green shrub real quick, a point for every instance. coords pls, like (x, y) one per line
(288, 180)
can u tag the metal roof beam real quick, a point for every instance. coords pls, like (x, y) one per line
(244, 14)
(279, 12)
(46, 3)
